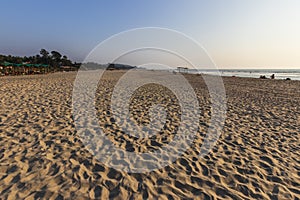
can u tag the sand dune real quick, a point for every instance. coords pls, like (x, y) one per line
(42, 157)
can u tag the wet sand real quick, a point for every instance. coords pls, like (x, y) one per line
(256, 157)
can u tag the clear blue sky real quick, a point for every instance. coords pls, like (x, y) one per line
(237, 34)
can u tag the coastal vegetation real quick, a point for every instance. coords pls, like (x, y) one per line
(44, 62)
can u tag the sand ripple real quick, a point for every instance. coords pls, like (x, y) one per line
(42, 157)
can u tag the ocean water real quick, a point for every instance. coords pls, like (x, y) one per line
(293, 74)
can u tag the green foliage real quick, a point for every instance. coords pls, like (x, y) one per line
(44, 53)
(55, 59)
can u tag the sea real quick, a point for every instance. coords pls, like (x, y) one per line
(293, 74)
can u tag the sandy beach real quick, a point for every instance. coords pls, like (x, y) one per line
(42, 157)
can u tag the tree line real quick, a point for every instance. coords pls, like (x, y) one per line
(53, 58)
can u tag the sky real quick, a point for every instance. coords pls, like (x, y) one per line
(236, 34)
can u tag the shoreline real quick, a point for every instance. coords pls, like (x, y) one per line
(239, 77)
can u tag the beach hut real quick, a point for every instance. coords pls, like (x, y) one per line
(37, 69)
(28, 68)
(67, 68)
(24, 68)
(41, 68)
(45, 68)
(17, 69)
(8, 68)
(186, 70)
(179, 68)
(182, 69)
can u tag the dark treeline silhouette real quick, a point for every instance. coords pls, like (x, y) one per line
(46, 62)
(53, 59)
(109, 66)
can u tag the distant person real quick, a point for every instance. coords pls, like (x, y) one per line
(272, 76)
(263, 77)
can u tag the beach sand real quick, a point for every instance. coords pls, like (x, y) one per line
(256, 157)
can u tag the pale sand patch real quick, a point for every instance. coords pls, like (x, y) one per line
(256, 157)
